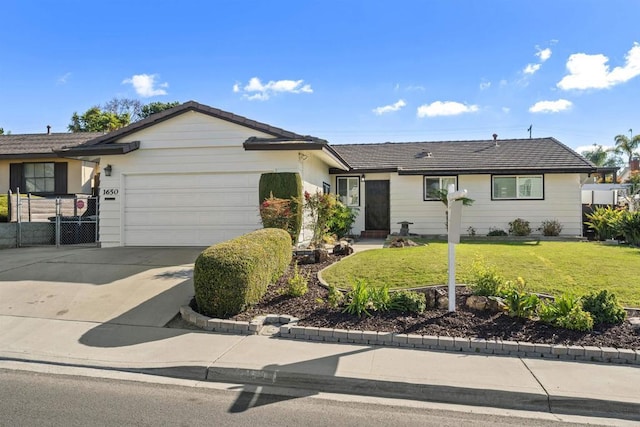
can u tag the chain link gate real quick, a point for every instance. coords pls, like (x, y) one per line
(56, 221)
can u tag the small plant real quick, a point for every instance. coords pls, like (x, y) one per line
(358, 299)
(550, 227)
(494, 232)
(380, 298)
(604, 307)
(341, 219)
(518, 302)
(335, 297)
(577, 320)
(629, 227)
(519, 227)
(485, 279)
(408, 302)
(550, 312)
(471, 231)
(297, 285)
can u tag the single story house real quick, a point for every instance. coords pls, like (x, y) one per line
(29, 164)
(189, 176)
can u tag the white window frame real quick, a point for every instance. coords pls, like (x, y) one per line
(519, 183)
(441, 186)
(352, 199)
(35, 181)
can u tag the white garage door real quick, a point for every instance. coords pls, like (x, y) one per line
(189, 209)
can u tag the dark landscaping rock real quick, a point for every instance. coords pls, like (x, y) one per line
(430, 297)
(477, 302)
(342, 248)
(401, 242)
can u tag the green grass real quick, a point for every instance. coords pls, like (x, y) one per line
(548, 267)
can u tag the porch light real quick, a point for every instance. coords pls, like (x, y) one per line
(362, 178)
(107, 170)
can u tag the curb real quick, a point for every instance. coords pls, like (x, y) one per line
(290, 330)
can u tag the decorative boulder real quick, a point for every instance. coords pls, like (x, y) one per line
(342, 248)
(477, 302)
(400, 242)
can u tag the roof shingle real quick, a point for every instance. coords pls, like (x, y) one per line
(41, 144)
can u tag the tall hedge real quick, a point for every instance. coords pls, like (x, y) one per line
(230, 276)
(284, 185)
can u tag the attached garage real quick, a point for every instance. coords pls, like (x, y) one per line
(189, 209)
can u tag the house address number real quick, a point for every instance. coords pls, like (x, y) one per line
(109, 191)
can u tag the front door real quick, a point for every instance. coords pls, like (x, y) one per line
(376, 206)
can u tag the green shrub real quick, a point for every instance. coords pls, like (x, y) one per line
(335, 297)
(629, 227)
(408, 302)
(341, 219)
(519, 227)
(604, 221)
(485, 280)
(4, 208)
(380, 298)
(550, 227)
(298, 284)
(577, 320)
(550, 312)
(358, 299)
(494, 232)
(230, 276)
(604, 307)
(284, 185)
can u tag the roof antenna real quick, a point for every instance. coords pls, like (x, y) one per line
(495, 139)
(530, 127)
(48, 130)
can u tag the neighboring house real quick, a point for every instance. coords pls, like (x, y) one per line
(534, 179)
(189, 176)
(28, 163)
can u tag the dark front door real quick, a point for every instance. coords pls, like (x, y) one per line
(376, 205)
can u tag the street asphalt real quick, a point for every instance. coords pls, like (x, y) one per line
(106, 309)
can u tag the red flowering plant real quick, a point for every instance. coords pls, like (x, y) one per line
(276, 213)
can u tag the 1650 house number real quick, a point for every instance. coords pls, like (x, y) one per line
(109, 191)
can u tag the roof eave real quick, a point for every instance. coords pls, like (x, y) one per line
(100, 150)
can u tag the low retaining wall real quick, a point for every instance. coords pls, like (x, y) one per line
(32, 233)
(291, 330)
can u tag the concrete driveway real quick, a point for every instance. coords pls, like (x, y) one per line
(131, 286)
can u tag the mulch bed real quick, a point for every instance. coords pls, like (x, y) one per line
(312, 310)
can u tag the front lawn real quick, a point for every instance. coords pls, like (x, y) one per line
(548, 267)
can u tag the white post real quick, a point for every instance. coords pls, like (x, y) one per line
(454, 218)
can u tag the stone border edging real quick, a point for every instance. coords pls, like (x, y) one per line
(290, 330)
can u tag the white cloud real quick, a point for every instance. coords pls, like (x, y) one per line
(485, 85)
(592, 71)
(389, 108)
(144, 84)
(531, 68)
(550, 106)
(446, 108)
(543, 54)
(506, 110)
(256, 90)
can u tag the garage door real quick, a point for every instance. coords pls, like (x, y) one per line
(189, 209)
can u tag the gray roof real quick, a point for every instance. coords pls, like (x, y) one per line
(472, 157)
(28, 146)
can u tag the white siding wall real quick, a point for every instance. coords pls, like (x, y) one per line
(562, 202)
(194, 143)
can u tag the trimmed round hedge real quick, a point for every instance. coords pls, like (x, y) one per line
(230, 276)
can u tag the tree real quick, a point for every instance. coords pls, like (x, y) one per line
(601, 157)
(97, 120)
(156, 107)
(627, 145)
(1, 131)
(120, 106)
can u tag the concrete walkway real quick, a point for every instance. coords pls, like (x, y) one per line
(105, 309)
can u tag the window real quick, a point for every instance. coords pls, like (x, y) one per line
(326, 188)
(433, 184)
(349, 190)
(39, 177)
(518, 187)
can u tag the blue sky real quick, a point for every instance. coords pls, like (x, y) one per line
(346, 71)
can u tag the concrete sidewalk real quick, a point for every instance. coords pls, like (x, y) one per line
(503, 382)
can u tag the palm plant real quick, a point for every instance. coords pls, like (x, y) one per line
(627, 145)
(441, 195)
